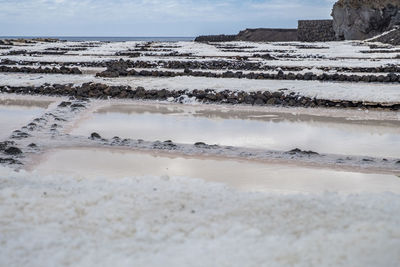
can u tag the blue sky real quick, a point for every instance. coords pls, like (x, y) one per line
(152, 17)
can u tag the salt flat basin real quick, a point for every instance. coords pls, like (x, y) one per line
(15, 113)
(244, 128)
(243, 175)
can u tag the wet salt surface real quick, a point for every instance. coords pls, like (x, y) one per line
(243, 175)
(253, 129)
(15, 113)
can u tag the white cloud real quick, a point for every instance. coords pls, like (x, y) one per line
(209, 15)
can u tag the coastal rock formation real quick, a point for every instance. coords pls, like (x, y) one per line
(265, 35)
(215, 38)
(391, 37)
(254, 35)
(362, 19)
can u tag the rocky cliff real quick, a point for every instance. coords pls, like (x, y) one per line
(362, 19)
(391, 37)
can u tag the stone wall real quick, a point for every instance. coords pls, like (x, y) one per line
(316, 31)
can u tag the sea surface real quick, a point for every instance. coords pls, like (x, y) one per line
(106, 39)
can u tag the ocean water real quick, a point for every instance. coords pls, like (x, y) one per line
(107, 39)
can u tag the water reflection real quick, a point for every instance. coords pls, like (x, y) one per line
(17, 113)
(243, 175)
(25, 103)
(254, 129)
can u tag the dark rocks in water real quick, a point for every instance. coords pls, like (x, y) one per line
(32, 145)
(205, 146)
(20, 135)
(169, 143)
(9, 161)
(367, 160)
(13, 151)
(77, 105)
(95, 136)
(6, 144)
(398, 162)
(298, 151)
(166, 145)
(201, 145)
(362, 19)
(65, 104)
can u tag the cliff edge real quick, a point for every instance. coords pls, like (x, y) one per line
(363, 19)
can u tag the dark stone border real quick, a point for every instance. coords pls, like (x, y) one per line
(205, 65)
(61, 70)
(120, 68)
(259, 98)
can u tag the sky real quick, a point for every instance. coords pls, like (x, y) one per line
(130, 18)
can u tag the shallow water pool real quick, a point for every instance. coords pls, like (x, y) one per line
(253, 129)
(243, 175)
(17, 113)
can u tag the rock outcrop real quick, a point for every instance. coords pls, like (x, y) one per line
(391, 37)
(215, 38)
(363, 19)
(267, 35)
(254, 35)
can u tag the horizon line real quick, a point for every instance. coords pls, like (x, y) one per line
(69, 36)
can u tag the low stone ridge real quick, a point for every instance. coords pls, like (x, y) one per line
(218, 64)
(316, 31)
(363, 19)
(259, 98)
(120, 68)
(61, 70)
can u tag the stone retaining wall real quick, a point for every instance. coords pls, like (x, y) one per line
(316, 31)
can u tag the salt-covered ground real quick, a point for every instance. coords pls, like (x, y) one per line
(70, 208)
(312, 56)
(168, 221)
(373, 92)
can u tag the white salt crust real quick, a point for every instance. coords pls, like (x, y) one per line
(163, 221)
